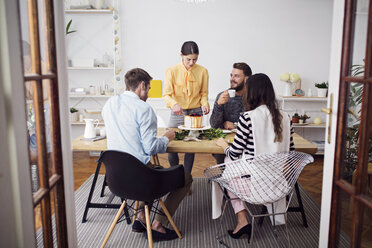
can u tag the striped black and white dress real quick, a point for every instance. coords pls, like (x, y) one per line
(243, 141)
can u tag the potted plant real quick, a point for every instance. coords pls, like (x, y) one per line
(74, 114)
(322, 88)
(68, 31)
(303, 118)
(295, 118)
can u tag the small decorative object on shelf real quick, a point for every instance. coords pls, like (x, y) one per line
(309, 93)
(300, 92)
(74, 114)
(317, 121)
(293, 83)
(322, 89)
(295, 118)
(98, 4)
(303, 118)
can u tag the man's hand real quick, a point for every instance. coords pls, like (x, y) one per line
(170, 134)
(224, 97)
(228, 125)
(177, 109)
(205, 109)
(222, 143)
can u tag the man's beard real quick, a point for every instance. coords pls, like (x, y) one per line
(239, 87)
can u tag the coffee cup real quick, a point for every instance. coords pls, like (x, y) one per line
(231, 93)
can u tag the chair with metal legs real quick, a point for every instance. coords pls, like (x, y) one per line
(261, 180)
(129, 179)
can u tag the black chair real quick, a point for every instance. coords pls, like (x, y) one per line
(129, 179)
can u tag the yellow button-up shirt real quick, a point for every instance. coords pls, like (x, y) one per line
(188, 88)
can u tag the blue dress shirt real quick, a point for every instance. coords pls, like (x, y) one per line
(131, 126)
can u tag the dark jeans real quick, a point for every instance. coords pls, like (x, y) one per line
(220, 158)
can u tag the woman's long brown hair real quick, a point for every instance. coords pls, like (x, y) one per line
(259, 90)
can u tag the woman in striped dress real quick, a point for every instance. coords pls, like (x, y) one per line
(262, 129)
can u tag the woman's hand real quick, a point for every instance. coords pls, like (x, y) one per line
(177, 109)
(205, 110)
(222, 143)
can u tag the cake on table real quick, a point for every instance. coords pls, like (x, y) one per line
(193, 121)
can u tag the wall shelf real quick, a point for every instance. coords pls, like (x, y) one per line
(90, 11)
(83, 123)
(303, 98)
(89, 96)
(310, 125)
(310, 106)
(89, 68)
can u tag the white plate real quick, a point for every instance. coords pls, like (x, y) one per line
(194, 129)
(299, 124)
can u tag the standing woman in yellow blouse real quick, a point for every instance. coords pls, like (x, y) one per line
(186, 92)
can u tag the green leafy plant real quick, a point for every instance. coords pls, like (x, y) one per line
(73, 110)
(322, 85)
(213, 133)
(353, 125)
(68, 31)
(295, 118)
(304, 117)
(181, 135)
(209, 134)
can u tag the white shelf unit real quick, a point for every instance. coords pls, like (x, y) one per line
(94, 51)
(312, 107)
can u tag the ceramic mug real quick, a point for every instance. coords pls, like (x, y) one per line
(231, 93)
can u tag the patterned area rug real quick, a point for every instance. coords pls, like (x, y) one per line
(193, 219)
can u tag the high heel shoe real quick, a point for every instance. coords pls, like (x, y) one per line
(247, 229)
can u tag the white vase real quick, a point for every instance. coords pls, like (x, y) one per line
(74, 117)
(322, 92)
(98, 4)
(287, 89)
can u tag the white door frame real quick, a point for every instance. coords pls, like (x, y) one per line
(334, 82)
(63, 89)
(16, 217)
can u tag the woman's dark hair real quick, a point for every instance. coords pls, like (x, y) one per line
(244, 67)
(135, 76)
(259, 90)
(189, 47)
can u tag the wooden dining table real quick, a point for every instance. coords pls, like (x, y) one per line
(204, 146)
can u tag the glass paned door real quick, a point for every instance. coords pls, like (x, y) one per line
(351, 201)
(42, 103)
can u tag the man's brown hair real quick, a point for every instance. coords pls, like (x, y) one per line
(244, 67)
(135, 76)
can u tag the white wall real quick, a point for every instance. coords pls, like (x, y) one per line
(271, 36)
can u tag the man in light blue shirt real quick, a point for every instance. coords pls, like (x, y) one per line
(131, 127)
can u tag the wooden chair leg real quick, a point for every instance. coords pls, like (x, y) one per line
(148, 226)
(135, 211)
(170, 218)
(156, 159)
(113, 224)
